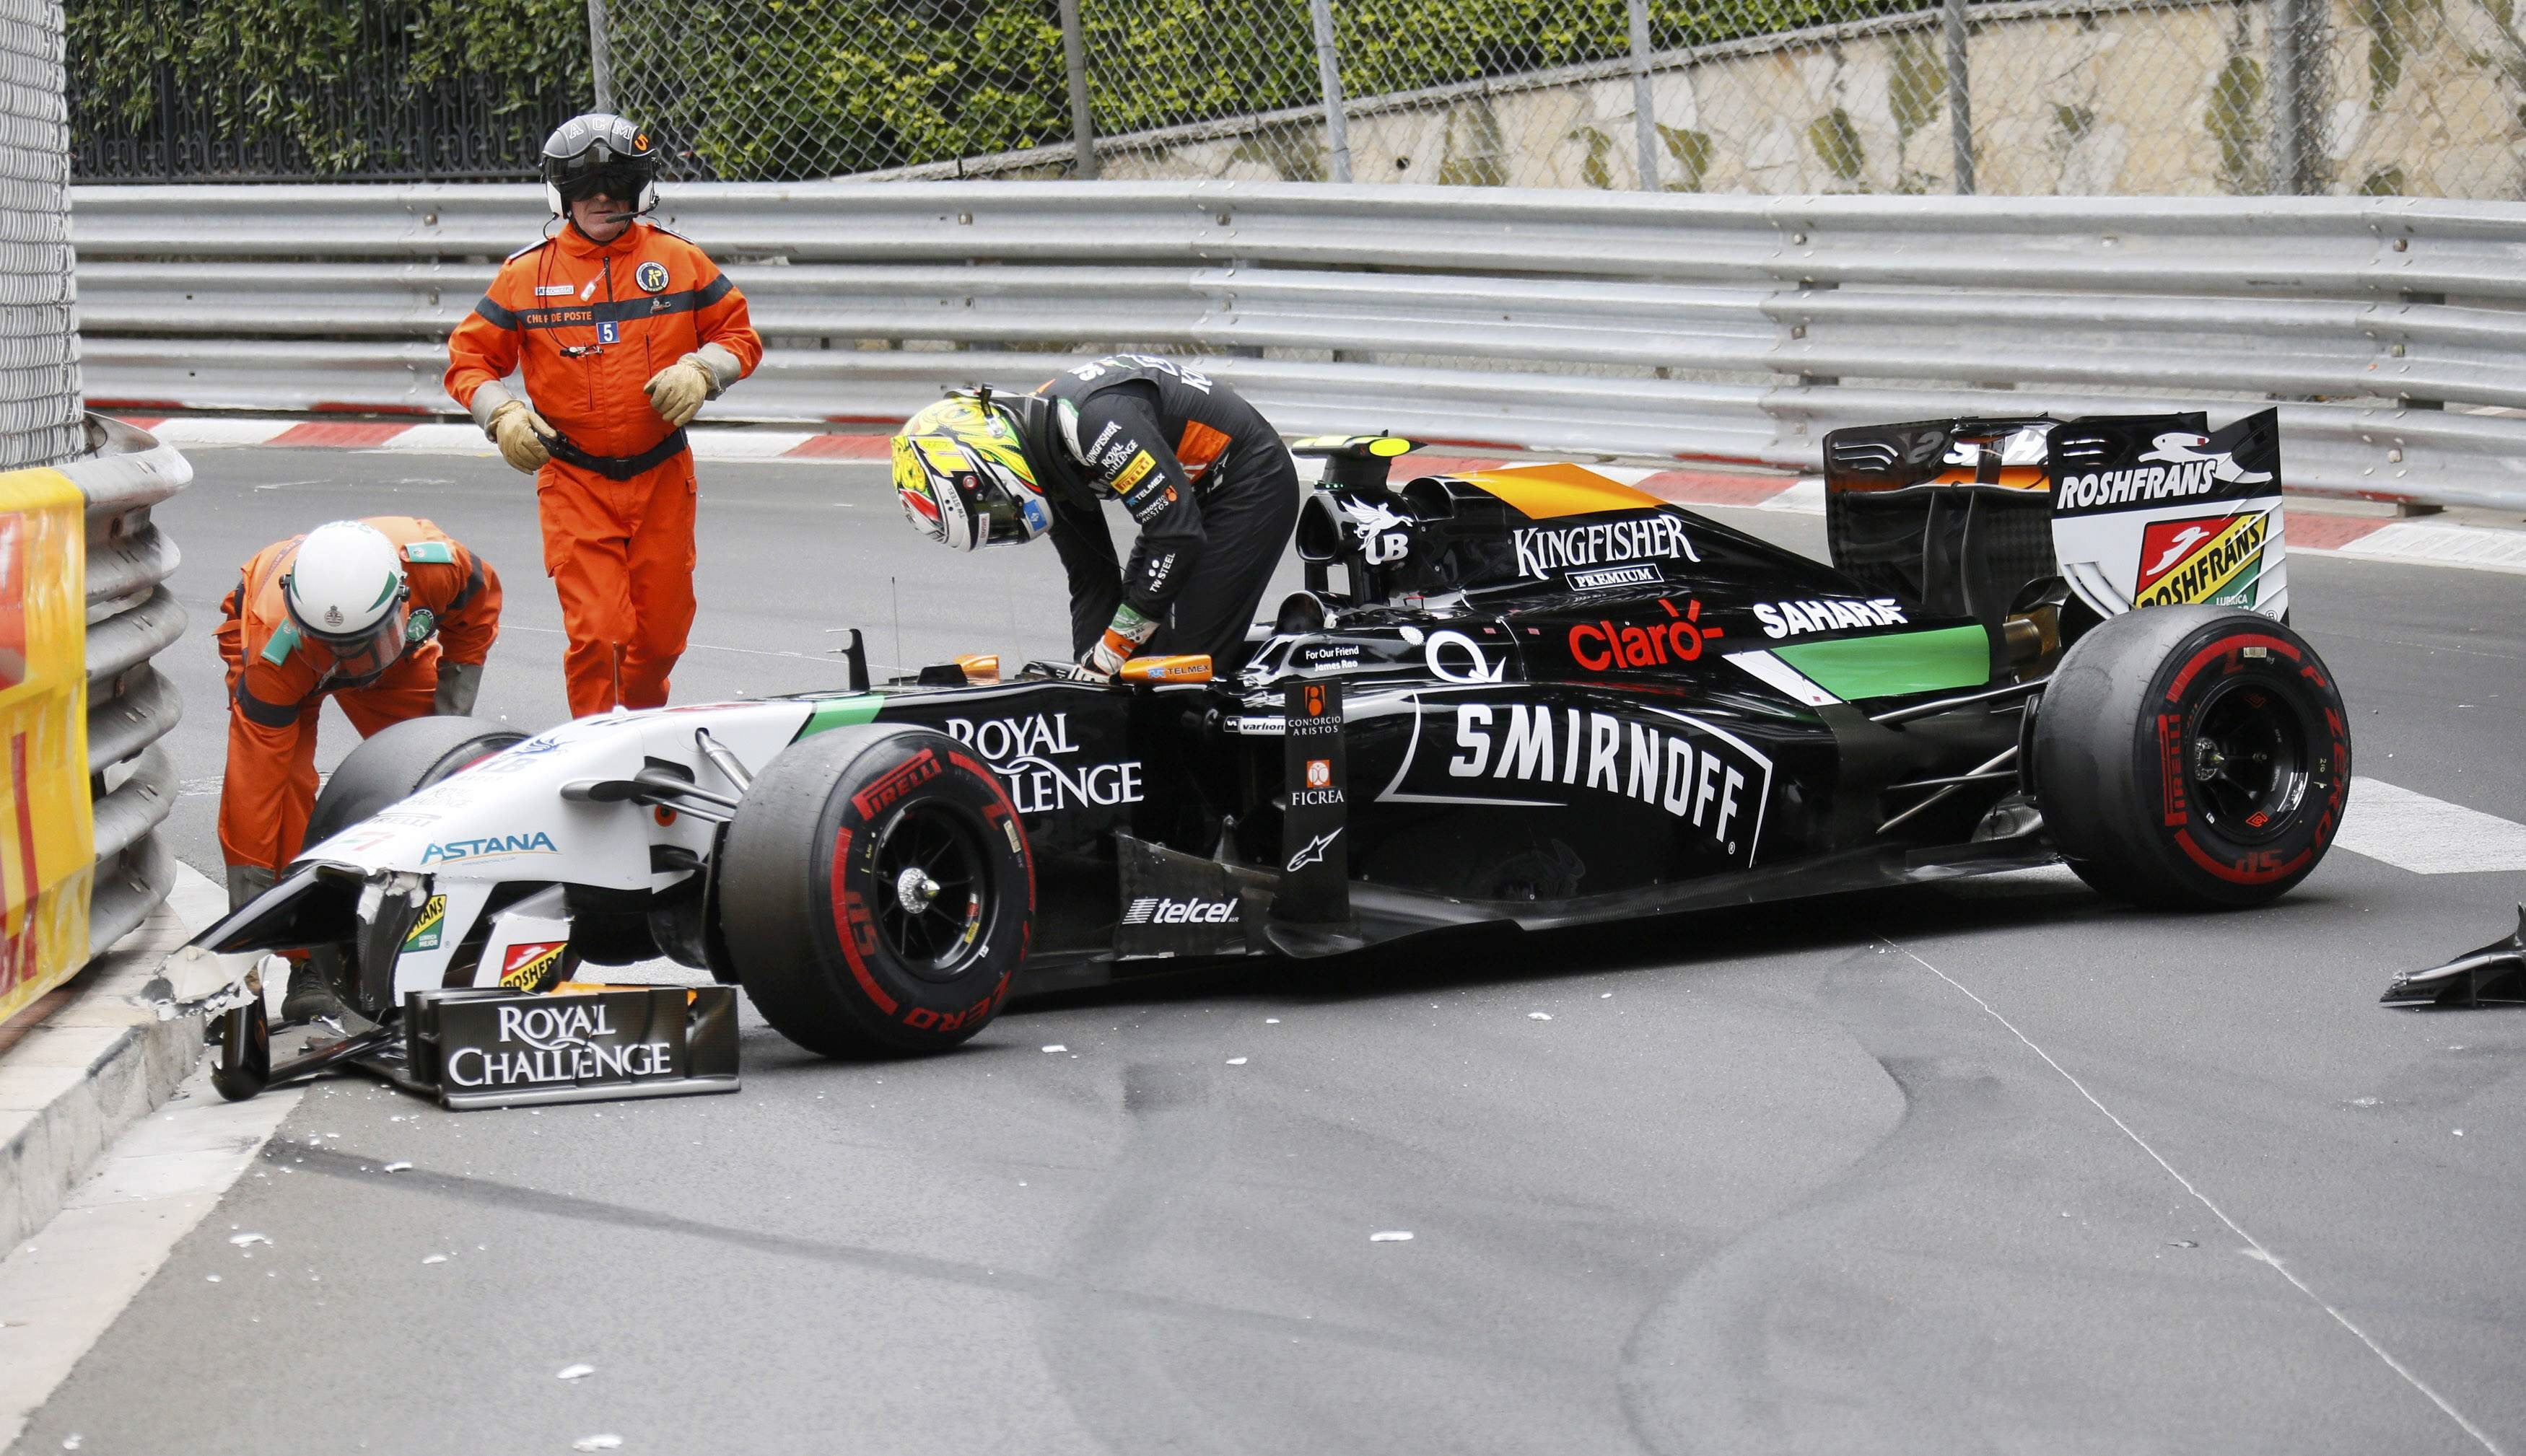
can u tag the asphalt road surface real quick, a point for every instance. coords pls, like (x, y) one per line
(2001, 1167)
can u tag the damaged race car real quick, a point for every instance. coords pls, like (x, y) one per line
(1529, 696)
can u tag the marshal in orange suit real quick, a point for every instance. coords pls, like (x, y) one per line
(621, 330)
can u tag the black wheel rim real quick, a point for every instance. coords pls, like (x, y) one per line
(2249, 761)
(932, 887)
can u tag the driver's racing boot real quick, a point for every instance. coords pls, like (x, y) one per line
(309, 998)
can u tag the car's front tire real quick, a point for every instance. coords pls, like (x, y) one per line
(2193, 758)
(876, 892)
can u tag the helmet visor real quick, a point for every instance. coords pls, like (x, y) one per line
(364, 654)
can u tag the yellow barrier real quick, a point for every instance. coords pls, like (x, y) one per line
(47, 824)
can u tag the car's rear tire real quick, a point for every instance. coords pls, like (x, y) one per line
(843, 946)
(2193, 758)
(398, 761)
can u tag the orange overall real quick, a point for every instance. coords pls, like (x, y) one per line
(278, 680)
(589, 325)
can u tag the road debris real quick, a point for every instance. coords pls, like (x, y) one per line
(574, 1372)
(1391, 1236)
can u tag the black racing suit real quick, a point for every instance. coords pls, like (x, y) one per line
(1207, 479)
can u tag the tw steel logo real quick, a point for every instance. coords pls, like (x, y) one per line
(1606, 646)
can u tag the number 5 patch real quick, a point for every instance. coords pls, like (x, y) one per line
(609, 332)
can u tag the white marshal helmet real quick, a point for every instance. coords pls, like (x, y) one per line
(346, 590)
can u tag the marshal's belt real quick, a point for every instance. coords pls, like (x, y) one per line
(616, 467)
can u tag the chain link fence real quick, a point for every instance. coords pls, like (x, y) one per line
(2021, 97)
(2417, 97)
(39, 383)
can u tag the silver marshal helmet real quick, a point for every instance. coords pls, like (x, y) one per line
(346, 590)
(599, 154)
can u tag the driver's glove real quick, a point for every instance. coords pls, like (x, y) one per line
(1123, 637)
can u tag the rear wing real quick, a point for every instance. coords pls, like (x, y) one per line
(1965, 517)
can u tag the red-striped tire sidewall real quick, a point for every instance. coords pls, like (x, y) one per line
(2112, 738)
(797, 907)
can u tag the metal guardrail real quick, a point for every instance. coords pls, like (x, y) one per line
(2388, 328)
(130, 618)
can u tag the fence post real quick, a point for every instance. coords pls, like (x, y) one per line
(2293, 101)
(600, 54)
(1644, 108)
(1959, 96)
(1083, 122)
(1328, 77)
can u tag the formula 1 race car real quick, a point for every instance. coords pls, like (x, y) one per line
(1536, 697)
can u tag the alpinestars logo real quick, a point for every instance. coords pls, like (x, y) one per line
(1314, 852)
(1160, 910)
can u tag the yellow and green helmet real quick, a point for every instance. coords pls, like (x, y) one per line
(963, 479)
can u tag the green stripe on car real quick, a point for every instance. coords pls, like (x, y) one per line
(1895, 664)
(834, 713)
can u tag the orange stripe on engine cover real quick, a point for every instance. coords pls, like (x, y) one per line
(1543, 492)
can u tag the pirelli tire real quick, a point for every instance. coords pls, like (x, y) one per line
(2193, 758)
(876, 892)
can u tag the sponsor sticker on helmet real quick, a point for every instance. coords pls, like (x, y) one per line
(652, 277)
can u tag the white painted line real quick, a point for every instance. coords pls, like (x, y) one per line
(194, 430)
(745, 444)
(1806, 498)
(442, 439)
(2443, 545)
(2426, 836)
(2254, 1248)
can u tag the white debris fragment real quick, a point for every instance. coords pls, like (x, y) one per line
(604, 1442)
(2460, 1131)
(435, 1259)
(1271, 1020)
(1056, 1047)
(1391, 1236)
(241, 1241)
(1236, 1061)
(574, 1372)
(211, 1278)
(1604, 995)
(70, 1442)
(398, 1166)
(1538, 1016)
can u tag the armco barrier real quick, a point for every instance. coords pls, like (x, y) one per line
(130, 618)
(1699, 327)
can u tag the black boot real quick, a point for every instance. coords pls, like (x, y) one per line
(309, 998)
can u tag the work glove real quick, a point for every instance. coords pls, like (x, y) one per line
(458, 684)
(520, 432)
(677, 391)
(1123, 637)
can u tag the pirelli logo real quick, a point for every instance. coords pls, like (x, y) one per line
(2208, 563)
(1133, 472)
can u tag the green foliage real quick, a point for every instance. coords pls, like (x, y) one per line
(295, 69)
(2392, 27)
(1836, 143)
(1691, 151)
(776, 89)
(2235, 122)
(1475, 155)
(1596, 172)
(1917, 82)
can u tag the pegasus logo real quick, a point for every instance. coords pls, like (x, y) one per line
(1314, 853)
(2184, 541)
(2182, 447)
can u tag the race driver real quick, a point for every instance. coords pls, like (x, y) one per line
(622, 330)
(389, 618)
(1201, 472)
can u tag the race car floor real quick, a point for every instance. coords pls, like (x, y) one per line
(2001, 1166)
